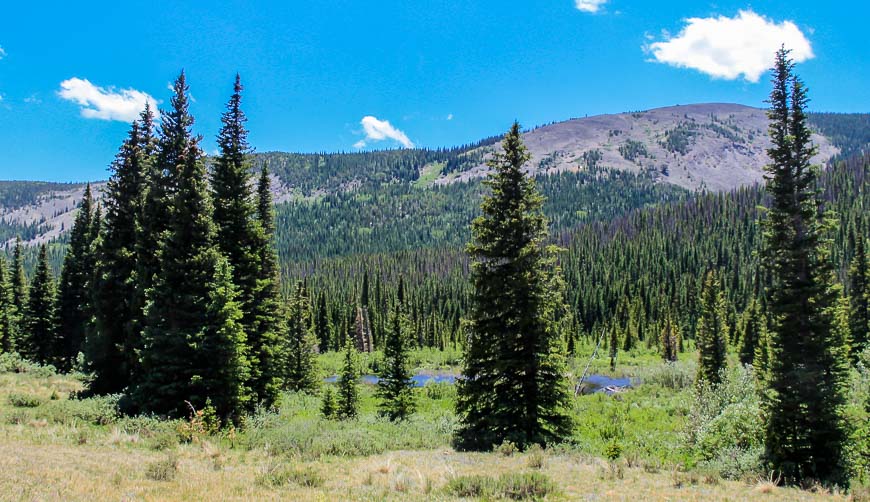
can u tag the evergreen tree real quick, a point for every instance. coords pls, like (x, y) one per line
(40, 342)
(8, 313)
(859, 299)
(803, 403)
(669, 339)
(264, 344)
(221, 354)
(328, 406)
(19, 285)
(514, 387)
(300, 373)
(322, 324)
(395, 387)
(753, 325)
(348, 387)
(238, 229)
(118, 296)
(74, 306)
(712, 331)
(613, 347)
(193, 344)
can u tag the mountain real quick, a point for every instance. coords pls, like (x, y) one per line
(712, 146)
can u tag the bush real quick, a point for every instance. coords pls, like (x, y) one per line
(163, 469)
(725, 427)
(535, 456)
(102, 410)
(11, 362)
(277, 475)
(516, 486)
(506, 449)
(24, 400)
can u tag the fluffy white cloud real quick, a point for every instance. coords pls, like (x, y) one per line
(2, 53)
(379, 130)
(589, 5)
(728, 47)
(359, 144)
(449, 116)
(106, 103)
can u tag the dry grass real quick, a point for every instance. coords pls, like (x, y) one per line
(104, 472)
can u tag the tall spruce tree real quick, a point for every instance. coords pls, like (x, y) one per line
(194, 347)
(803, 402)
(235, 215)
(264, 344)
(859, 299)
(515, 387)
(712, 331)
(8, 313)
(74, 306)
(322, 324)
(40, 341)
(119, 293)
(300, 372)
(395, 387)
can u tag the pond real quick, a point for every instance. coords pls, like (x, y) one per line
(592, 383)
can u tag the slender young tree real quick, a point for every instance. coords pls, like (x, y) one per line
(118, 294)
(264, 344)
(8, 313)
(859, 299)
(348, 387)
(395, 387)
(322, 324)
(300, 372)
(712, 331)
(40, 339)
(803, 403)
(18, 281)
(669, 339)
(753, 325)
(514, 387)
(74, 306)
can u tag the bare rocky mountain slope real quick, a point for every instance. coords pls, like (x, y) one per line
(716, 146)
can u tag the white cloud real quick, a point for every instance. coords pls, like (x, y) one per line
(359, 144)
(379, 130)
(106, 103)
(449, 116)
(2, 53)
(589, 5)
(728, 47)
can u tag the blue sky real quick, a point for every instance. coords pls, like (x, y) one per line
(330, 76)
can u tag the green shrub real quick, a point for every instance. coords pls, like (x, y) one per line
(514, 485)
(164, 469)
(525, 485)
(24, 400)
(102, 410)
(278, 475)
(535, 456)
(506, 449)
(163, 440)
(13, 363)
(472, 486)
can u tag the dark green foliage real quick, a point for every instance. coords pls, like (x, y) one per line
(193, 344)
(300, 373)
(803, 402)
(18, 280)
(395, 388)
(118, 296)
(669, 339)
(348, 387)
(8, 313)
(328, 405)
(264, 345)
(514, 387)
(712, 332)
(74, 307)
(859, 299)
(754, 325)
(613, 347)
(39, 342)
